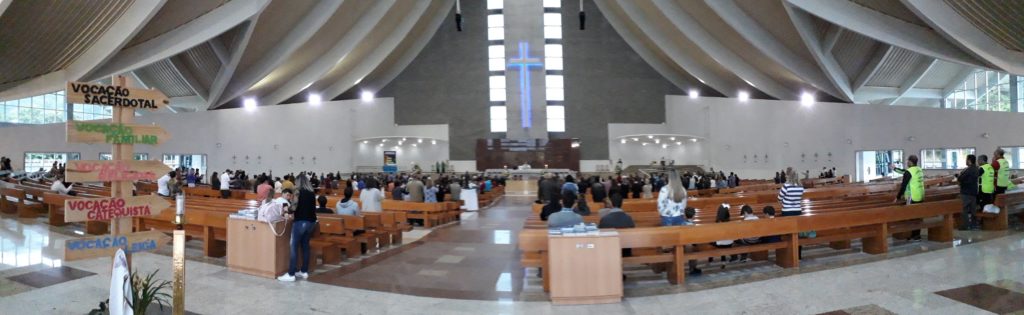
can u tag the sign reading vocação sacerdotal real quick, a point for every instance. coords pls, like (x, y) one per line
(116, 96)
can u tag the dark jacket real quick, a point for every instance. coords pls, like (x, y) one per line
(968, 180)
(549, 189)
(597, 190)
(305, 208)
(549, 208)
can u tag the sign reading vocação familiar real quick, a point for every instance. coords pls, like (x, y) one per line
(97, 132)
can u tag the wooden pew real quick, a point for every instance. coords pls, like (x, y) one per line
(873, 226)
(24, 207)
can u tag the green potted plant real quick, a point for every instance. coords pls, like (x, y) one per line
(147, 290)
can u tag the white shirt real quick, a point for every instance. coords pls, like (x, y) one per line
(161, 185)
(371, 199)
(278, 187)
(225, 181)
(59, 188)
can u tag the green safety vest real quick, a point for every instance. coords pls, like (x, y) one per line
(915, 189)
(1003, 177)
(988, 184)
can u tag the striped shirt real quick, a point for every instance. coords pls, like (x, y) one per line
(790, 196)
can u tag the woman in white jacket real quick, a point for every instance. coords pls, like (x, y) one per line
(371, 196)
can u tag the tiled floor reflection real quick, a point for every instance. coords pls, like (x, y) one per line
(987, 297)
(474, 259)
(50, 276)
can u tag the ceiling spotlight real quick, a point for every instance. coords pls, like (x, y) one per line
(314, 99)
(380, 145)
(636, 139)
(693, 140)
(403, 138)
(366, 141)
(657, 140)
(249, 103)
(414, 144)
(672, 138)
(399, 142)
(694, 93)
(679, 143)
(433, 141)
(367, 96)
(383, 140)
(664, 146)
(419, 140)
(743, 96)
(650, 137)
(623, 140)
(807, 99)
(644, 144)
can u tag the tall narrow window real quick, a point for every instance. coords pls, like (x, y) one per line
(496, 65)
(553, 79)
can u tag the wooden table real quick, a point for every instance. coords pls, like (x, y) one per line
(254, 249)
(585, 269)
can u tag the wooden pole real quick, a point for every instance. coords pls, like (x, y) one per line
(122, 152)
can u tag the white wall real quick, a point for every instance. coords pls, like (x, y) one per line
(785, 130)
(283, 138)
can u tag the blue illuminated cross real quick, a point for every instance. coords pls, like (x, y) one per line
(524, 62)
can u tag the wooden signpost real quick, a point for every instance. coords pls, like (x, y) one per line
(106, 245)
(116, 170)
(97, 132)
(97, 209)
(122, 170)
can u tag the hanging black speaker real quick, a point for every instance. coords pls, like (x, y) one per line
(458, 22)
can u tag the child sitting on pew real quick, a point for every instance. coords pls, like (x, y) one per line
(322, 202)
(748, 214)
(723, 216)
(689, 213)
(769, 212)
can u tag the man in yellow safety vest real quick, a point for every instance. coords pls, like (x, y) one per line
(987, 182)
(912, 187)
(1002, 171)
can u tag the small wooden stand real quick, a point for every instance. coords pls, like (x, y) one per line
(254, 249)
(585, 269)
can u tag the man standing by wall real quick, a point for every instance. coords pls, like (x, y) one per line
(968, 180)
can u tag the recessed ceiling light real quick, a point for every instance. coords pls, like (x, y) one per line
(645, 143)
(807, 99)
(623, 140)
(672, 138)
(693, 140)
(366, 96)
(694, 93)
(249, 103)
(366, 141)
(664, 146)
(743, 96)
(419, 140)
(650, 136)
(679, 143)
(433, 141)
(314, 99)
(657, 140)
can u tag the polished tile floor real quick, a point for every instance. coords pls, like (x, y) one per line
(472, 268)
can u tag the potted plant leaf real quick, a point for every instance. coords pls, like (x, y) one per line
(147, 290)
